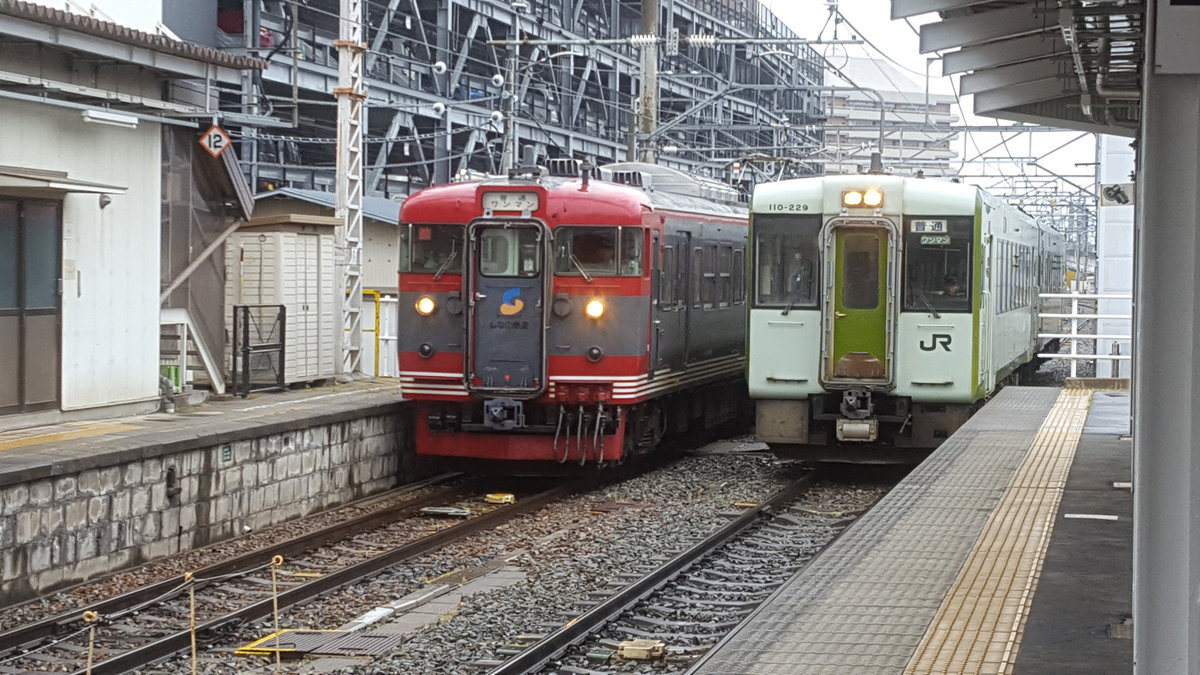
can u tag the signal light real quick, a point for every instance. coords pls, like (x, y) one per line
(852, 198)
(594, 308)
(425, 305)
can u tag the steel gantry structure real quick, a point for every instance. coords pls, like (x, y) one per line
(439, 98)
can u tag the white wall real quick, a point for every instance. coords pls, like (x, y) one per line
(1114, 252)
(110, 256)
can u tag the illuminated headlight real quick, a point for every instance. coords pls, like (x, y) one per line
(852, 198)
(873, 197)
(594, 308)
(425, 305)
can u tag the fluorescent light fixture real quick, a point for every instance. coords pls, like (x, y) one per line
(110, 118)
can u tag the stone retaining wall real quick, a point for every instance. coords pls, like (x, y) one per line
(68, 528)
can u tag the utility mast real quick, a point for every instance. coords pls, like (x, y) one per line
(648, 108)
(350, 95)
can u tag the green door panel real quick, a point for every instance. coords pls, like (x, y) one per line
(860, 305)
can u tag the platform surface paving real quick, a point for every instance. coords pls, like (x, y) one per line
(939, 576)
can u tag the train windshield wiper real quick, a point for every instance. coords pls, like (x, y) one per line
(445, 263)
(579, 266)
(788, 307)
(928, 305)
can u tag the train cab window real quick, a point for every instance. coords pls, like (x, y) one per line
(433, 248)
(860, 271)
(594, 251)
(937, 263)
(786, 260)
(510, 252)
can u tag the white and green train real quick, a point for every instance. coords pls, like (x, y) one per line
(885, 309)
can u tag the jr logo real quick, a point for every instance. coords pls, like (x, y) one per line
(936, 340)
(511, 302)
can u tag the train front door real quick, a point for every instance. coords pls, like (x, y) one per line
(859, 258)
(506, 322)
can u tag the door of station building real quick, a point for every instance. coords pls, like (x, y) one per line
(858, 307)
(30, 255)
(506, 323)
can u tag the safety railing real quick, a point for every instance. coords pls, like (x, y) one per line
(1070, 324)
(259, 339)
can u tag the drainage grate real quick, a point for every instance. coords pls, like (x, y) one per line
(371, 643)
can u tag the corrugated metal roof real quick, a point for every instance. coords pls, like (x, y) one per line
(123, 34)
(1070, 63)
(375, 208)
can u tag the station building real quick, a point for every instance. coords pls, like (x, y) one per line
(103, 192)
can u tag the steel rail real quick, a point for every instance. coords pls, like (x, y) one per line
(162, 648)
(539, 653)
(66, 622)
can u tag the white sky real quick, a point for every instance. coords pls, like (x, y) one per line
(902, 46)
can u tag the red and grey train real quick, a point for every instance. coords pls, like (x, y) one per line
(554, 316)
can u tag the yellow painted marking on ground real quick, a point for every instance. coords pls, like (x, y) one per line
(451, 573)
(97, 430)
(982, 619)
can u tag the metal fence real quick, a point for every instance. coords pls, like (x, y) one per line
(1084, 309)
(258, 347)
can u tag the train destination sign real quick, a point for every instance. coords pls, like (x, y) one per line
(938, 226)
(510, 201)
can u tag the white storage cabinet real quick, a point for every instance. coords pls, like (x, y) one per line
(289, 263)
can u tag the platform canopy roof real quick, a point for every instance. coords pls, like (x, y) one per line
(1075, 64)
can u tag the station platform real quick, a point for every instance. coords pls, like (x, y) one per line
(47, 451)
(1008, 550)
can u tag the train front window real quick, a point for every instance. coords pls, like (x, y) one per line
(937, 263)
(510, 252)
(434, 249)
(599, 251)
(786, 260)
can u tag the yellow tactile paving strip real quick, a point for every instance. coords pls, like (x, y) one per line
(980, 623)
(40, 439)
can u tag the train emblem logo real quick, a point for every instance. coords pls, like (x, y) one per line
(936, 340)
(511, 302)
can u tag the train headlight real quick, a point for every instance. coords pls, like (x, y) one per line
(852, 198)
(873, 197)
(425, 305)
(594, 308)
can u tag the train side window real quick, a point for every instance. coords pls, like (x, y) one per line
(739, 276)
(681, 276)
(708, 296)
(666, 289)
(436, 247)
(725, 268)
(697, 275)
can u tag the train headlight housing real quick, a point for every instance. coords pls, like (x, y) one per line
(425, 305)
(594, 308)
(873, 198)
(852, 198)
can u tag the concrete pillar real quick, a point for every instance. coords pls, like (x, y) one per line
(1114, 253)
(1166, 559)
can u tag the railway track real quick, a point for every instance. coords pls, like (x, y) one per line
(152, 622)
(683, 606)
